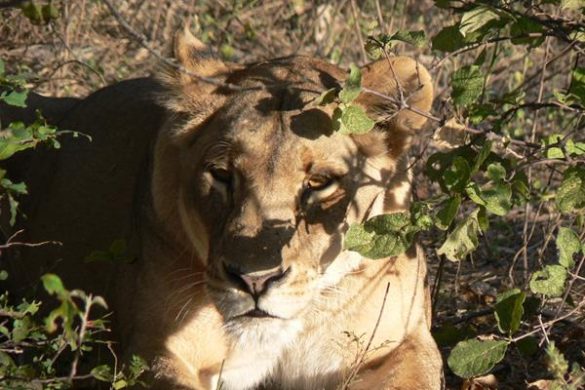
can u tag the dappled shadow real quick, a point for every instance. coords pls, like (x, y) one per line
(260, 252)
(311, 124)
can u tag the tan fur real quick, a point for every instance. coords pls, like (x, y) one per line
(175, 303)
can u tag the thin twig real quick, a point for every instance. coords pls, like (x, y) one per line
(9, 243)
(358, 31)
(549, 324)
(362, 357)
(380, 17)
(142, 41)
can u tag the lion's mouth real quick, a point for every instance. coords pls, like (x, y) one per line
(256, 313)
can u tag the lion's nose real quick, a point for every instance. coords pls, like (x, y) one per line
(256, 283)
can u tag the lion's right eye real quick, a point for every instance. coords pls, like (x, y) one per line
(221, 180)
(221, 175)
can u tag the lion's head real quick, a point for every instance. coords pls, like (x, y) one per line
(252, 176)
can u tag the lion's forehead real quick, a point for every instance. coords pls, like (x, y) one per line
(284, 142)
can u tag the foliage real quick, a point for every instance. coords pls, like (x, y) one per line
(494, 172)
(42, 349)
(46, 351)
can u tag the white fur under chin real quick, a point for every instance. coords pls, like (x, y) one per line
(344, 263)
(256, 350)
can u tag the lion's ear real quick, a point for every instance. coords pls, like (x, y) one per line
(387, 78)
(198, 75)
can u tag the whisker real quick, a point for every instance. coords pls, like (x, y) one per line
(181, 310)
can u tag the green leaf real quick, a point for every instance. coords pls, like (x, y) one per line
(476, 18)
(352, 120)
(28, 308)
(575, 148)
(53, 285)
(415, 38)
(448, 212)
(568, 244)
(527, 346)
(21, 329)
(509, 310)
(117, 252)
(120, 384)
(15, 98)
(98, 256)
(482, 155)
(118, 248)
(2, 68)
(463, 239)
(327, 97)
(496, 172)
(497, 199)
(16, 188)
(137, 366)
(352, 87)
(381, 236)
(456, 177)
(449, 39)
(552, 151)
(102, 373)
(476, 357)
(523, 26)
(420, 216)
(13, 207)
(557, 364)
(49, 12)
(571, 192)
(467, 84)
(572, 148)
(33, 11)
(550, 281)
(577, 87)
(483, 220)
(3, 275)
(448, 335)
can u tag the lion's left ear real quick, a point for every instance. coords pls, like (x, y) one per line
(387, 78)
(199, 75)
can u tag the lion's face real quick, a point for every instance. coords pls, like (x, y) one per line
(275, 189)
(262, 189)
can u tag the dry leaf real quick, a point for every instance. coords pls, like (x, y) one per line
(541, 384)
(486, 382)
(451, 135)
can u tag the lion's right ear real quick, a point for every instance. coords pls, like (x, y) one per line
(198, 75)
(389, 81)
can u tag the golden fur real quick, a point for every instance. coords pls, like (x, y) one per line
(225, 200)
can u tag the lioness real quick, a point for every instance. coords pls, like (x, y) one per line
(235, 219)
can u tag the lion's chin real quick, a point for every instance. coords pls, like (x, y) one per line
(263, 331)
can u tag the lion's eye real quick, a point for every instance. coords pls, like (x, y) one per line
(318, 183)
(221, 175)
(222, 180)
(319, 188)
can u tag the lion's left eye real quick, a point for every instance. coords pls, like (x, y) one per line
(319, 188)
(318, 183)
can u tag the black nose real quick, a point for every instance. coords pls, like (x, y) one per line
(255, 283)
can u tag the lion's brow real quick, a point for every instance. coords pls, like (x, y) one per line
(219, 152)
